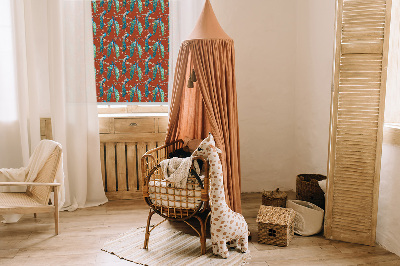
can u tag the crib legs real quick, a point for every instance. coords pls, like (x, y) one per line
(203, 236)
(203, 231)
(147, 236)
(203, 224)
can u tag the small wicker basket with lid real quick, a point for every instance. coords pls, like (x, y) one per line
(274, 198)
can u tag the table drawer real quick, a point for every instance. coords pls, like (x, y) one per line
(134, 125)
(106, 125)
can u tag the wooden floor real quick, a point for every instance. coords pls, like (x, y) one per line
(83, 232)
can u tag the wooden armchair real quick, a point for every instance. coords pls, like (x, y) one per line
(36, 197)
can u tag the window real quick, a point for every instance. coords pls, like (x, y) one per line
(138, 109)
(392, 108)
(8, 108)
(131, 50)
(391, 130)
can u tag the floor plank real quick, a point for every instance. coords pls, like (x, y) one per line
(82, 233)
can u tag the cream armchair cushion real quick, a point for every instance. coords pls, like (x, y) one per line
(42, 171)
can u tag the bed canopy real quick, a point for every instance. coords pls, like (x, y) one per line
(203, 97)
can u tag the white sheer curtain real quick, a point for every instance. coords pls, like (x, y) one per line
(55, 78)
(10, 147)
(183, 18)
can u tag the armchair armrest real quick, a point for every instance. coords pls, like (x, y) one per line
(29, 184)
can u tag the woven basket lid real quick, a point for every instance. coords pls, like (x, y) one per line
(275, 215)
(275, 194)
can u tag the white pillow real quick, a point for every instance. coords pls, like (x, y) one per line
(322, 184)
(309, 217)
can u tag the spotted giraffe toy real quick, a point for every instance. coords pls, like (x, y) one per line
(226, 225)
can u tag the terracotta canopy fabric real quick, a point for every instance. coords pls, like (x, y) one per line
(211, 106)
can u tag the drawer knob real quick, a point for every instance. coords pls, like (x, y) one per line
(133, 124)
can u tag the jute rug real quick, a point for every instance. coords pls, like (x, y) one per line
(168, 247)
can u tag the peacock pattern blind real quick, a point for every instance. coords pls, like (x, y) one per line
(131, 50)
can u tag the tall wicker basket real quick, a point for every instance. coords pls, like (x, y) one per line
(308, 189)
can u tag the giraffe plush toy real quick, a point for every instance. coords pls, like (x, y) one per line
(226, 225)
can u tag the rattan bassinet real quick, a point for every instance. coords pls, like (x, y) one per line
(170, 202)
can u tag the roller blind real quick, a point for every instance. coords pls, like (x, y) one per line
(131, 50)
(358, 97)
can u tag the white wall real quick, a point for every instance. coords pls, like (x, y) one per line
(284, 52)
(264, 32)
(314, 60)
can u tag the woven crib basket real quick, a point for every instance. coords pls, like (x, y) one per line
(308, 189)
(274, 198)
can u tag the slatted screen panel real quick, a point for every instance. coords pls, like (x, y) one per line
(121, 168)
(356, 119)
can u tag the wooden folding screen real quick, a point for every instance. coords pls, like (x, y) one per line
(358, 96)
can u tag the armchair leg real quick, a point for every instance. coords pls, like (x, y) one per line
(147, 235)
(56, 212)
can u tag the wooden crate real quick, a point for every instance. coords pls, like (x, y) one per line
(46, 131)
(123, 141)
